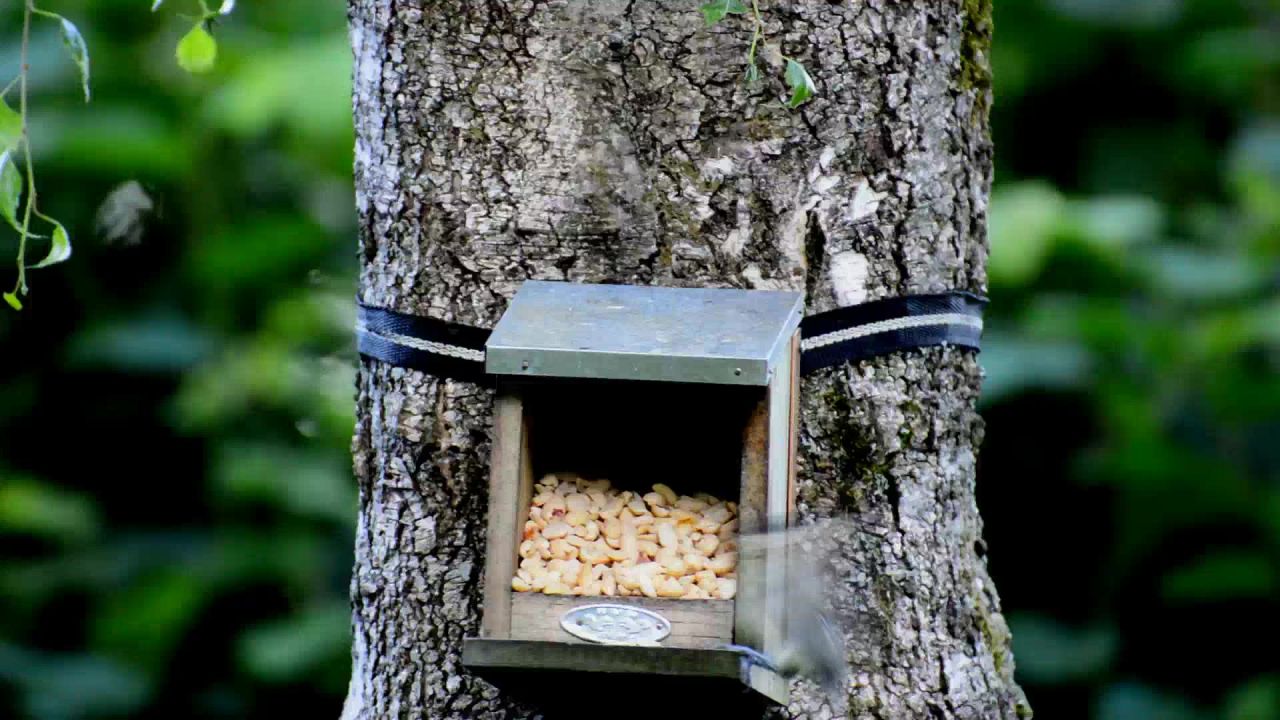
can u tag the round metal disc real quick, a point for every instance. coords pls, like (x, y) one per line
(616, 625)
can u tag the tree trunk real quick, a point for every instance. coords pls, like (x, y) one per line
(615, 141)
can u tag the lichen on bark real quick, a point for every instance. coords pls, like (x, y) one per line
(614, 141)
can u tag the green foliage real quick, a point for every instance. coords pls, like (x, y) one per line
(197, 50)
(10, 190)
(1132, 357)
(176, 501)
(79, 52)
(10, 127)
(714, 12)
(1051, 652)
(59, 245)
(28, 507)
(801, 85)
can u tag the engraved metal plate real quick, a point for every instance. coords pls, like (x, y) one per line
(616, 625)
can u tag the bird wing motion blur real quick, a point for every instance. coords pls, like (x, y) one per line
(809, 642)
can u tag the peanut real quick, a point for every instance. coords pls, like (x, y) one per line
(690, 505)
(684, 517)
(671, 562)
(595, 554)
(647, 547)
(667, 493)
(723, 564)
(667, 535)
(707, 545)
(557, 588)
(613, 528)
(719, 514)
(528, 549)
(646, 586)
(668, 587)
(582, 537)
(562, 550)
(613, 506)
(728, 529)
(727, 589)
(577, 502)
(556, 529)
(706, 580)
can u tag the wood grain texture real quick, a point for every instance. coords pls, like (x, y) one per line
(535, 655)
(619, 683)
(753, 508)
(793, 421)
(506, 471)
(694, 623)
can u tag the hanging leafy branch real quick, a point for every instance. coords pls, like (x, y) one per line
(796, 76)
(15, 143)
(197, 50)
(19, 199)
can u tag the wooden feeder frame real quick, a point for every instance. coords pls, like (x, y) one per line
(592, 338)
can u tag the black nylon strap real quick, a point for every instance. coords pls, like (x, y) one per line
(456, 351)
(445, 349)
(884, 326)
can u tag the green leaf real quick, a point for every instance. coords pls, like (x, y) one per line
(156, 5)
(715, 11)
(59, 248)
(10, 190)
(753, 73)
(1024, 218)
(13, 301)
(226, 7)
(10, 127)
(1222, 576)
(74, 41)
(295, 646)
(197, 50)
(802, 87)
(1258, 699)
(30, 507)
(1052, 653)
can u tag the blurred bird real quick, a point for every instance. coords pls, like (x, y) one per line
(807, 643)
(123, 215)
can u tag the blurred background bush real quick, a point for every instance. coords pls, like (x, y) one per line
(176, 507)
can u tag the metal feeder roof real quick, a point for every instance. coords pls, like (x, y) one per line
(626, 332)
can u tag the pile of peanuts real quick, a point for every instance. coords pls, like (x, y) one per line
(583, 537)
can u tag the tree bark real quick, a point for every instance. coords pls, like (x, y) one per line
(615, 141)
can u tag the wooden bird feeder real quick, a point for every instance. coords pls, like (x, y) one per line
(692, 388)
